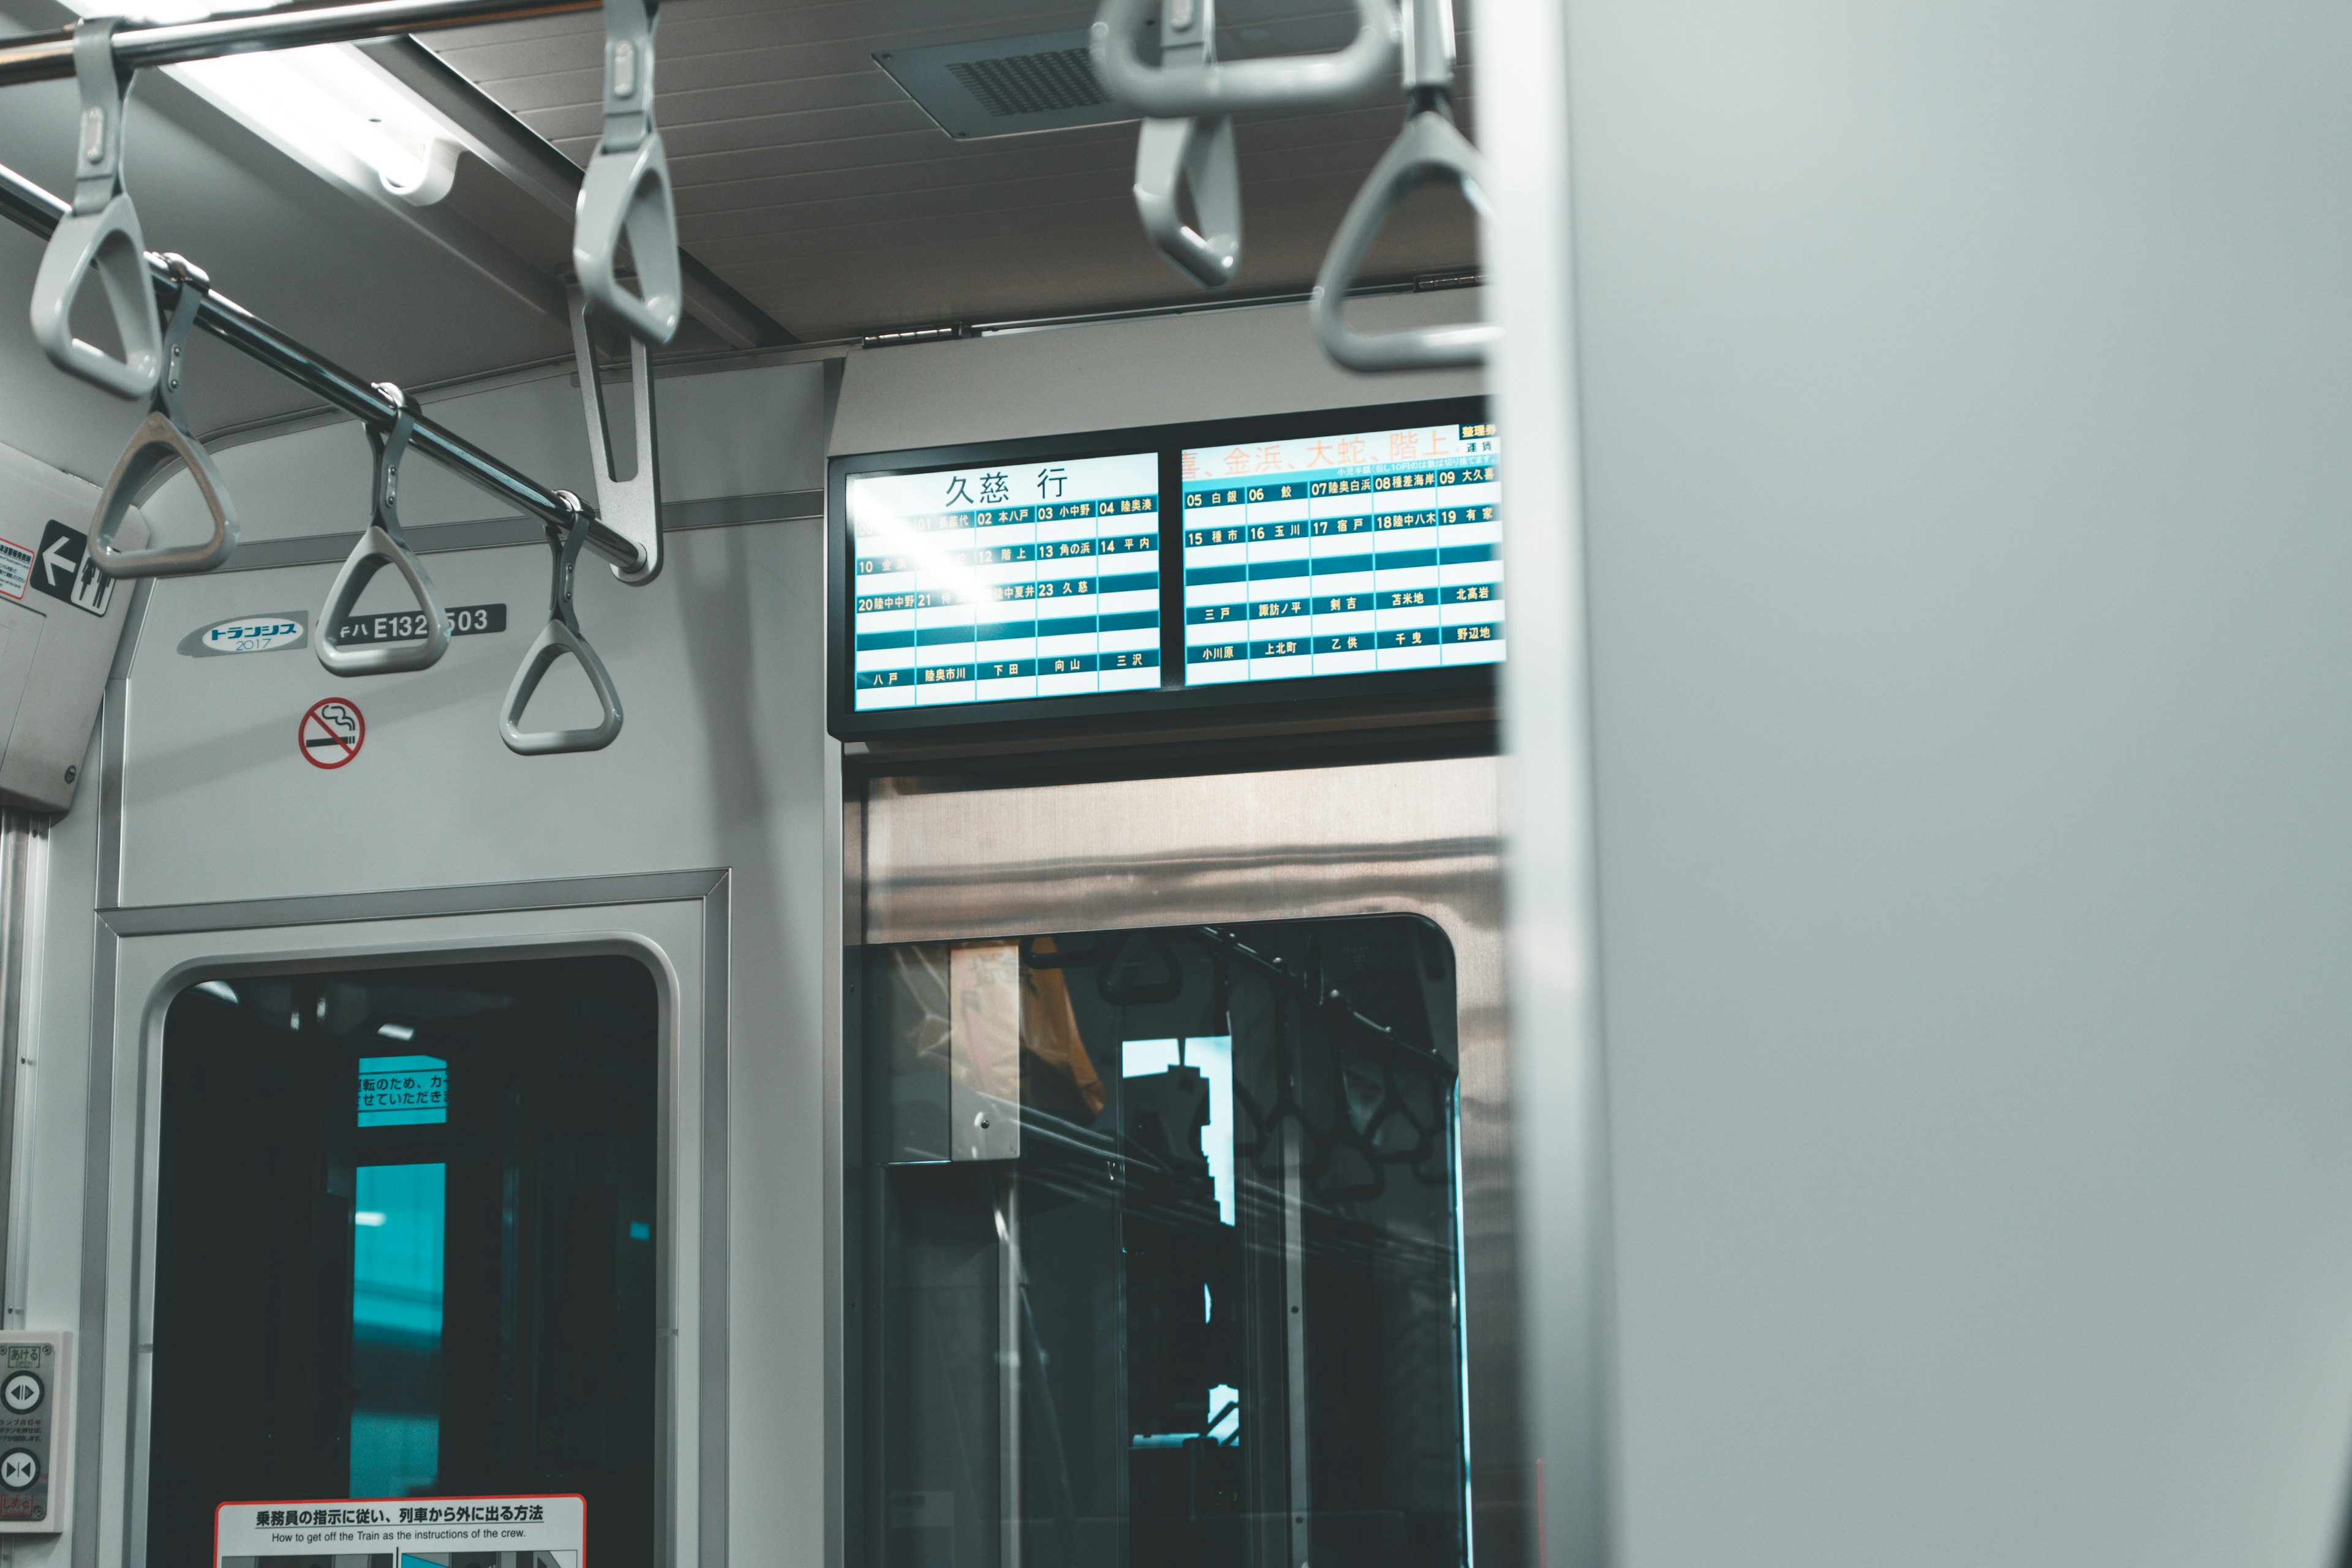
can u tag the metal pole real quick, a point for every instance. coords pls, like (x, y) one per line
(47, 56)
(38, 211)
(1559, 1093)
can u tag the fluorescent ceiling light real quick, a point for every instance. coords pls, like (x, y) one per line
(328, 105)
(395, 1031)
(368, 1217)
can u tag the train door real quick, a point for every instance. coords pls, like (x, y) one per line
(1177, 1170)
(400, 1204)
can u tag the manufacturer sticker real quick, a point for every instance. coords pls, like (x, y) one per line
(331, 732)
(266, 633)
(410, 626)
(16, 568)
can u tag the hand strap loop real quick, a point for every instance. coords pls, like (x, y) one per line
(100, 235)
(629, 507)
(384, 545)
(162, 440)
(1428, 149)
(562, 635)
(1199, 151)
(626, 189)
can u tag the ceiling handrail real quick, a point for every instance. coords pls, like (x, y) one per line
(1345, 76)
(32, 208)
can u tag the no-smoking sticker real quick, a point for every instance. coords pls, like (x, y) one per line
(331, 733)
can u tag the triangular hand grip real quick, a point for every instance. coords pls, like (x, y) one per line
(1171, 153)
(106, 242)
(554, 642)
(630, 192)
(1429, 149)
(375, 551)
(154, 447)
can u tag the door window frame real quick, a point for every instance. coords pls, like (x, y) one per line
(676, 923)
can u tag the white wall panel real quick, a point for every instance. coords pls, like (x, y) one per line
(1963, 392)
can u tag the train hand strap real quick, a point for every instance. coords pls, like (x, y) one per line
(384, 545)
(560, 635)
(626, 190)
(100, 235)
(1198, 152)
(630, 507)
(1206, 88)
(162, 440)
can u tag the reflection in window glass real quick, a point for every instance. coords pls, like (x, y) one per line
(1192, 1299)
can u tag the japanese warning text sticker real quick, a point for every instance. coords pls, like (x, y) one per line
(421, 1530)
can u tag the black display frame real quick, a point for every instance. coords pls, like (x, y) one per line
(1466, 686)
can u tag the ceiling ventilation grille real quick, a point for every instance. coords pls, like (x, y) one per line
(1002, 87)
(1031, 84)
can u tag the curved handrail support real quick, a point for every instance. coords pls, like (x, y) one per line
(155, 446)
(101, 236)
(627, 189)
(631, 507)
(1429, 148)
(1200, 153)
(1349, 75)
(554, 640)
(629, 193)
(384, 545)
(162, 440)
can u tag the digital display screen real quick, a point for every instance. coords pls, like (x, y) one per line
(1004, 582)
(1345, 554)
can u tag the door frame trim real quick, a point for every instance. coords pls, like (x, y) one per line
(709, 887)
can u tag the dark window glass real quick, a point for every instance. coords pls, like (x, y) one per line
(406, 1244)
(1160, 1249)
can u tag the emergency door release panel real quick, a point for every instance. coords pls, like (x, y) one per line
(36, 1430)
(1161, 1249)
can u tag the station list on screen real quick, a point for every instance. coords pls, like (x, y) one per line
(1342, 555)
(1014, 581)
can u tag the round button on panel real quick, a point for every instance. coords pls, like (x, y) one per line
(18, 1469)
(22, 1392)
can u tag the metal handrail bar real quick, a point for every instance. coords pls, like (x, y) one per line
(49, 57)
(38, 212)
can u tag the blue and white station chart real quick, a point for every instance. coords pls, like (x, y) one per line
(1022, 580)
(1342, 554)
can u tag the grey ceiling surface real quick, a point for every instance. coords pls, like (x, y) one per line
(808, 180)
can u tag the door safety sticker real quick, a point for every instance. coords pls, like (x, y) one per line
(16, 568)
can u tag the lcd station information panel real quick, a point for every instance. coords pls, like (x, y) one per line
(1348, 555)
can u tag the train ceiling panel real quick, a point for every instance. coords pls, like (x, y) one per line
(811, 182)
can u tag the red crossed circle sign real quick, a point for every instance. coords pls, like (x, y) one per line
(331, 732)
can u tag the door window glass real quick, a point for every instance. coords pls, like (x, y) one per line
(406, 1244)
(1160, 1249)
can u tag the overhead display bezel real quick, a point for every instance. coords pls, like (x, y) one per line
(1471, 686)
